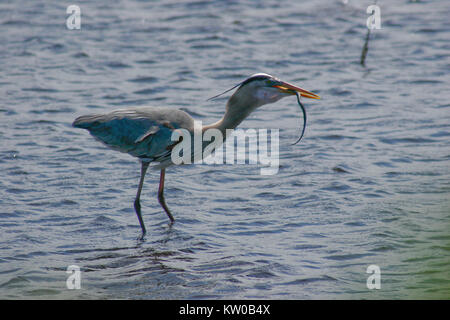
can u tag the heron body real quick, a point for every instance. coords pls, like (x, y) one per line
(146, 132)
(143, 132)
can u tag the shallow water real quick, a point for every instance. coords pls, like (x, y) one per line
(368, 184)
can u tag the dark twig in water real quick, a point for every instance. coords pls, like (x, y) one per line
(304, 118)
(365, 49)
(366, 45)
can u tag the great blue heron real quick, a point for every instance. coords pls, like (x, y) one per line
(145, 132)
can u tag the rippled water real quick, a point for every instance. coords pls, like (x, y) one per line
(369, 183)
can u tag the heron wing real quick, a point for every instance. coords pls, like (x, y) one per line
(142, 132)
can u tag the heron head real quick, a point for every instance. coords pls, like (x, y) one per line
(261, 89)
(264, 89)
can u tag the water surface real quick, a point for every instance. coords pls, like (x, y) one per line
(368, 184)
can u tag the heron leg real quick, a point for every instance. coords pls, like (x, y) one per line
(161, 200)
(137, 203)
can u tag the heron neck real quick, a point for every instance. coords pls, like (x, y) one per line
(238, 108)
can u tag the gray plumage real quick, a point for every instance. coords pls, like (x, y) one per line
(143, 132)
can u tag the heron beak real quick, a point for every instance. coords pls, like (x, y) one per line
(289, 88)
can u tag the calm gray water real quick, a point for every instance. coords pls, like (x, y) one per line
(368, 184)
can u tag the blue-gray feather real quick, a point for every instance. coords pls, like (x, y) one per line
(143, 132)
